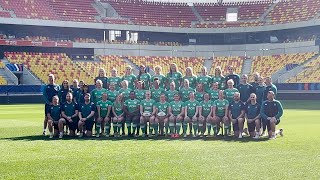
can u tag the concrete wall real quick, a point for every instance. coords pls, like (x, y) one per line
(201, 50)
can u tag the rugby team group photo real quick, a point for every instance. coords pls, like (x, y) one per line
(178, 104)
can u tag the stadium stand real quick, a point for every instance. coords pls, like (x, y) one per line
(234, 61)
(5, 14)
(164, 62)
(30, 9)
(246, 10)
(43, 64)
(107, 62)
(295, 10)
(268, 65)
(74, 10)
(154, 13)
(310, 74)
(2, 80)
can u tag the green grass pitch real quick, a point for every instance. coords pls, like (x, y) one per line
(26, 154)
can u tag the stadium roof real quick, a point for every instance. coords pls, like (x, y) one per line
(202, 1)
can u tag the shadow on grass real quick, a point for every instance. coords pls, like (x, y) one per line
(123, 138)
(302, 104)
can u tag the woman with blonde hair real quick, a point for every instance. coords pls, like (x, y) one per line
(102, 77)
(130, 77)
(174, 75)
(191, 77)
(158, 74)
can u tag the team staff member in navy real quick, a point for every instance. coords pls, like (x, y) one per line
(271, 111)
(50, 90)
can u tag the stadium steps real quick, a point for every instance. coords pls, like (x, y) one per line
(32, 78)
(246, 68)
(208, 63)
(134, 66)
(109, 10)
(100, 9)
(265, 14)
(13, 15)
(195, 12)
(295, 71)
(4, 75)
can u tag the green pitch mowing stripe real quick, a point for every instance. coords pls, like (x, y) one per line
(25, 154)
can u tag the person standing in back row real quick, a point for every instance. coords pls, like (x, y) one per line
(232, 75)
(50, 90)
(102, 77)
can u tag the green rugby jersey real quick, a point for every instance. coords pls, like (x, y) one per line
(192, 81)
(199, 96)
(146, 77)
(176, 107)
(184, 93)
(156, 93)
(147, 105)
(132, 104)
(170, 95)
(126, 93)
(116, 81)
(104, 105)
(162, 107)
(176, 77)
(214, 94)
(220, 107)
(191, 107)
(206, 107)
(112, 95)
(96, 94)
(162, 80)
(206, 81)
(118, 109)
(140, 94)
(229, 93)
(130, 78)
(220, 80)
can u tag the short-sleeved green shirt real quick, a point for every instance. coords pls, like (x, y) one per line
(192, 81)
(199, 96)
(191, 107)
(170, 95)
(146, 77)
(176, 77)
(206, 81)
(220, 80)
(130, 78)
(126, 93)
(117, 108)
(132, 104)
(147, 105)
(140, 94)
(184, 93)
(162, 80)
(96, 94)
(156, 93)
(220, 106)
(214, 94)
(104, 105)
(112, 95)
(115, 80)
(162, 107)
(229, 93)
(206, 107)
(176, 107)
